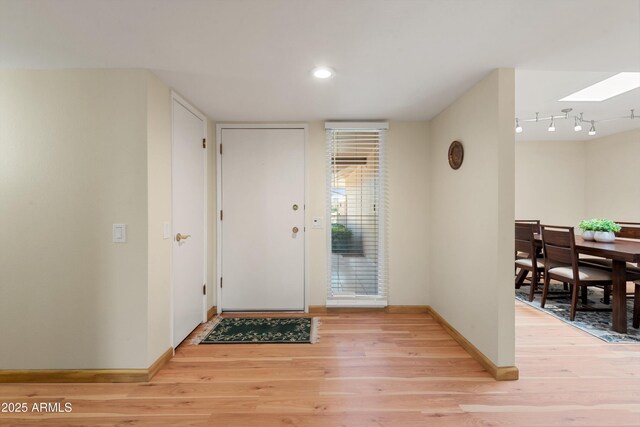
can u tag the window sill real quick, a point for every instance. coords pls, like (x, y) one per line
(363, 302)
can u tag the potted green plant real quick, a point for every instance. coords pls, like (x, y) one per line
(604, 230)
(340, 238)
(588, 228)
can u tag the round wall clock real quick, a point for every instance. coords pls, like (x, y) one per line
(456, 154)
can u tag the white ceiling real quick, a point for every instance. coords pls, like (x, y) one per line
(397, 60)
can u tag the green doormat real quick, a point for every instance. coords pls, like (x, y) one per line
(252, 330)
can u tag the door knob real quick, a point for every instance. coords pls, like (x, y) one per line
(182, 237)
(295, 230)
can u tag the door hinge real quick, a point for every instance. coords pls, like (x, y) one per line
(220, 148)
(204, 142)
(204, 289)
(220, 214)
(220, 282)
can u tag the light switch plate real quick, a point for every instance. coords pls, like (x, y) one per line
(119, 233)
(166, 231)
(316, 222)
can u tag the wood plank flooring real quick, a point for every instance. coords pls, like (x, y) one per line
(367, 370)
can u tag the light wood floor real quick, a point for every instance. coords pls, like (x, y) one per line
(367, 370)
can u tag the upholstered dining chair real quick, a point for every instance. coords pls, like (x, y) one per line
(561, 263)
(526, 258)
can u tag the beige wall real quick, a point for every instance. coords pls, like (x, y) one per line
(550, 181)
(159, 206)
(579, 179)
(79, 151)
(73, 156)
(613, 177)
(471, 217)
(316, 206)
(408, 213)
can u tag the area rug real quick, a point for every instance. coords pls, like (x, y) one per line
(253, 330)
(595, 323)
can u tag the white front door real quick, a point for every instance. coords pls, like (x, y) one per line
(188, 160)
(262, 227)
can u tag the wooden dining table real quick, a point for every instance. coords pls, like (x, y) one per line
(620, 252)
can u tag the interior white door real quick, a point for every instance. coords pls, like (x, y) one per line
(262, 228)
(188, 216)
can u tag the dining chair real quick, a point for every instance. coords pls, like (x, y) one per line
(535, 225)
(527, 258)
(561, 263)
(628, 230)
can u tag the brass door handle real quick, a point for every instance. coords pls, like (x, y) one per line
(295, 230)
(181, 237)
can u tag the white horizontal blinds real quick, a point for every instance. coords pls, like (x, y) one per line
(356, 203)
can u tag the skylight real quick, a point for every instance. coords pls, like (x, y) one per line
(607, 88)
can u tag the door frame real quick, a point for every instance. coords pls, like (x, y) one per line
(175, 97)
(219, 128)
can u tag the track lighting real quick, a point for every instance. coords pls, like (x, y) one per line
(518, 127)
(577, 121)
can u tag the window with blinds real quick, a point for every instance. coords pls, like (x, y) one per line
(356, 208)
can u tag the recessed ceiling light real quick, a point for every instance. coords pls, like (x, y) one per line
(607, 88)
(323, 72)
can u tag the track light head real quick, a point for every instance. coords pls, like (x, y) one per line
(518, 127)
(592, 131)
(577, 127)
(552, 126)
